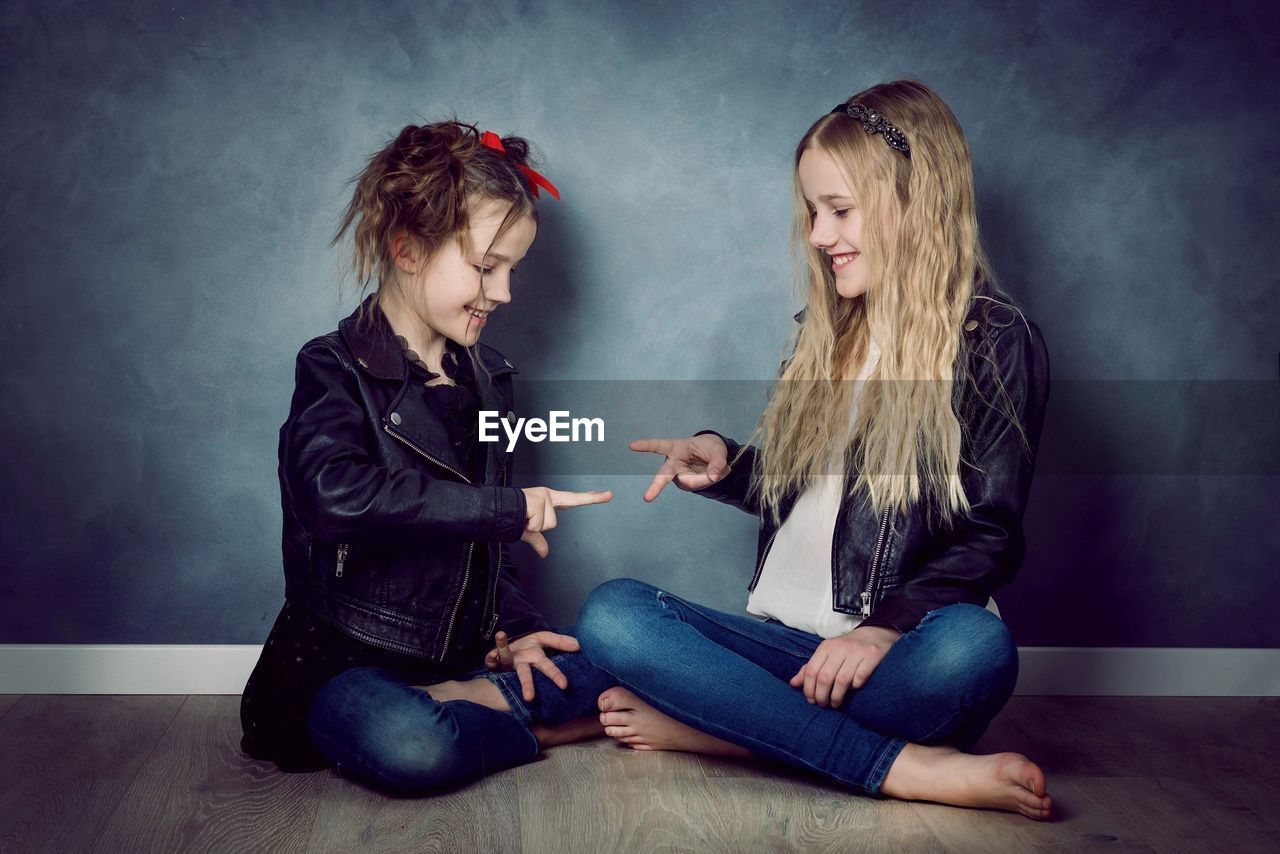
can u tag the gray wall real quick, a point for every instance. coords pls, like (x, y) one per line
(173, 171)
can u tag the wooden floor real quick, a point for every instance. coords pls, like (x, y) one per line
(164, 773)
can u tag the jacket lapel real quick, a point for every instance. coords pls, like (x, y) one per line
(408, 416)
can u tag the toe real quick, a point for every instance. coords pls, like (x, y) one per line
(1028, 800)
(615, 718)
(1034, 806)
(605, 700)
(1033, 779)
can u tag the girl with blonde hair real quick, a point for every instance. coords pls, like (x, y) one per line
(890, 473)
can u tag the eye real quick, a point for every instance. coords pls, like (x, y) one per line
(482, 270)
(841, 213)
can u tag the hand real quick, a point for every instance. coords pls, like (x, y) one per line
(528, 652)
(540, 513)
(694, 463)
(844, 662)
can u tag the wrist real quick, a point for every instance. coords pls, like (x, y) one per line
(884, 632)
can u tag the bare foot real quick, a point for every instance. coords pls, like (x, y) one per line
(1003, 781)
(638, 725)
(478, 690)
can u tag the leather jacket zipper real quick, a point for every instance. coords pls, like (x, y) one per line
(493, 586)
(466, 567)
(875, 565)
(430, 458)
(764, 553)
(453, 618)
(343, 551)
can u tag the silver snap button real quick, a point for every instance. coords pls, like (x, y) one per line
(509, 365)
(970, 326)
(395, 418)
(362, 362)
(510, 416)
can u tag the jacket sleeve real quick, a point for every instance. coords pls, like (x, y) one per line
(341, 494)
(735, 490)
(516, 615)
(983, 550)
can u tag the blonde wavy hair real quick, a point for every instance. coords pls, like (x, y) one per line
(920, 240)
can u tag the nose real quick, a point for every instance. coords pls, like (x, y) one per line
(820, 235)
(497, 288)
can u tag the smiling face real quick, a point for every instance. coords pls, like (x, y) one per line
(836, 221)
(442, 296)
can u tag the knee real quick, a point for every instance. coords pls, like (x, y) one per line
(975, 653)
(608, 625)
(406, 760)
(402, 753)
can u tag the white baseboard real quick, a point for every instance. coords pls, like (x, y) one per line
(223, 669)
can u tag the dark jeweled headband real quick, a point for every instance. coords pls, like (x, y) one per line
(873, 123)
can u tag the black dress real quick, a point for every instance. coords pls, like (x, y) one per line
(303, 652)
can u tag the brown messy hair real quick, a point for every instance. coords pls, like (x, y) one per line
(423, 184)
(920, 240)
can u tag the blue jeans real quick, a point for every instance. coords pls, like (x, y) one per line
(728, 675)
(375, 726)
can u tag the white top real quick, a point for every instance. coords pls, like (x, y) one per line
(795, 582)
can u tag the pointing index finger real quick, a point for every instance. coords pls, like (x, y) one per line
(653, 446)
(561, 498)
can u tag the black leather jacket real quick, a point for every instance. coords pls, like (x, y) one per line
(380, 522)
(892, 568)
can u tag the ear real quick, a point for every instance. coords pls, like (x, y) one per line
(406, 252)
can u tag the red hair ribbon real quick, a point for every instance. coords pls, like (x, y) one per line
(491, 140)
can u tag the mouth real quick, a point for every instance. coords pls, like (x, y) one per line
(843, 259)
(477, 313)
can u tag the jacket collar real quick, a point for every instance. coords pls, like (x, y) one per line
(377, 352)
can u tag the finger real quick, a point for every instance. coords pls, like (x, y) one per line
(526, 680)
(563, 643)
(537, 542)
(714, 452)
(718, 465)
(491, 661)
(865, 668)
(561, 498)
(844, 679)
(505, 655)
(548, 669)
(826, 679)
(548, 517)
(652, 446)
(665, 474)
(693, 481)
(811, 674)
(797, 681)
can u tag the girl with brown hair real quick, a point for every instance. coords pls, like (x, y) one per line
(400, 589)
